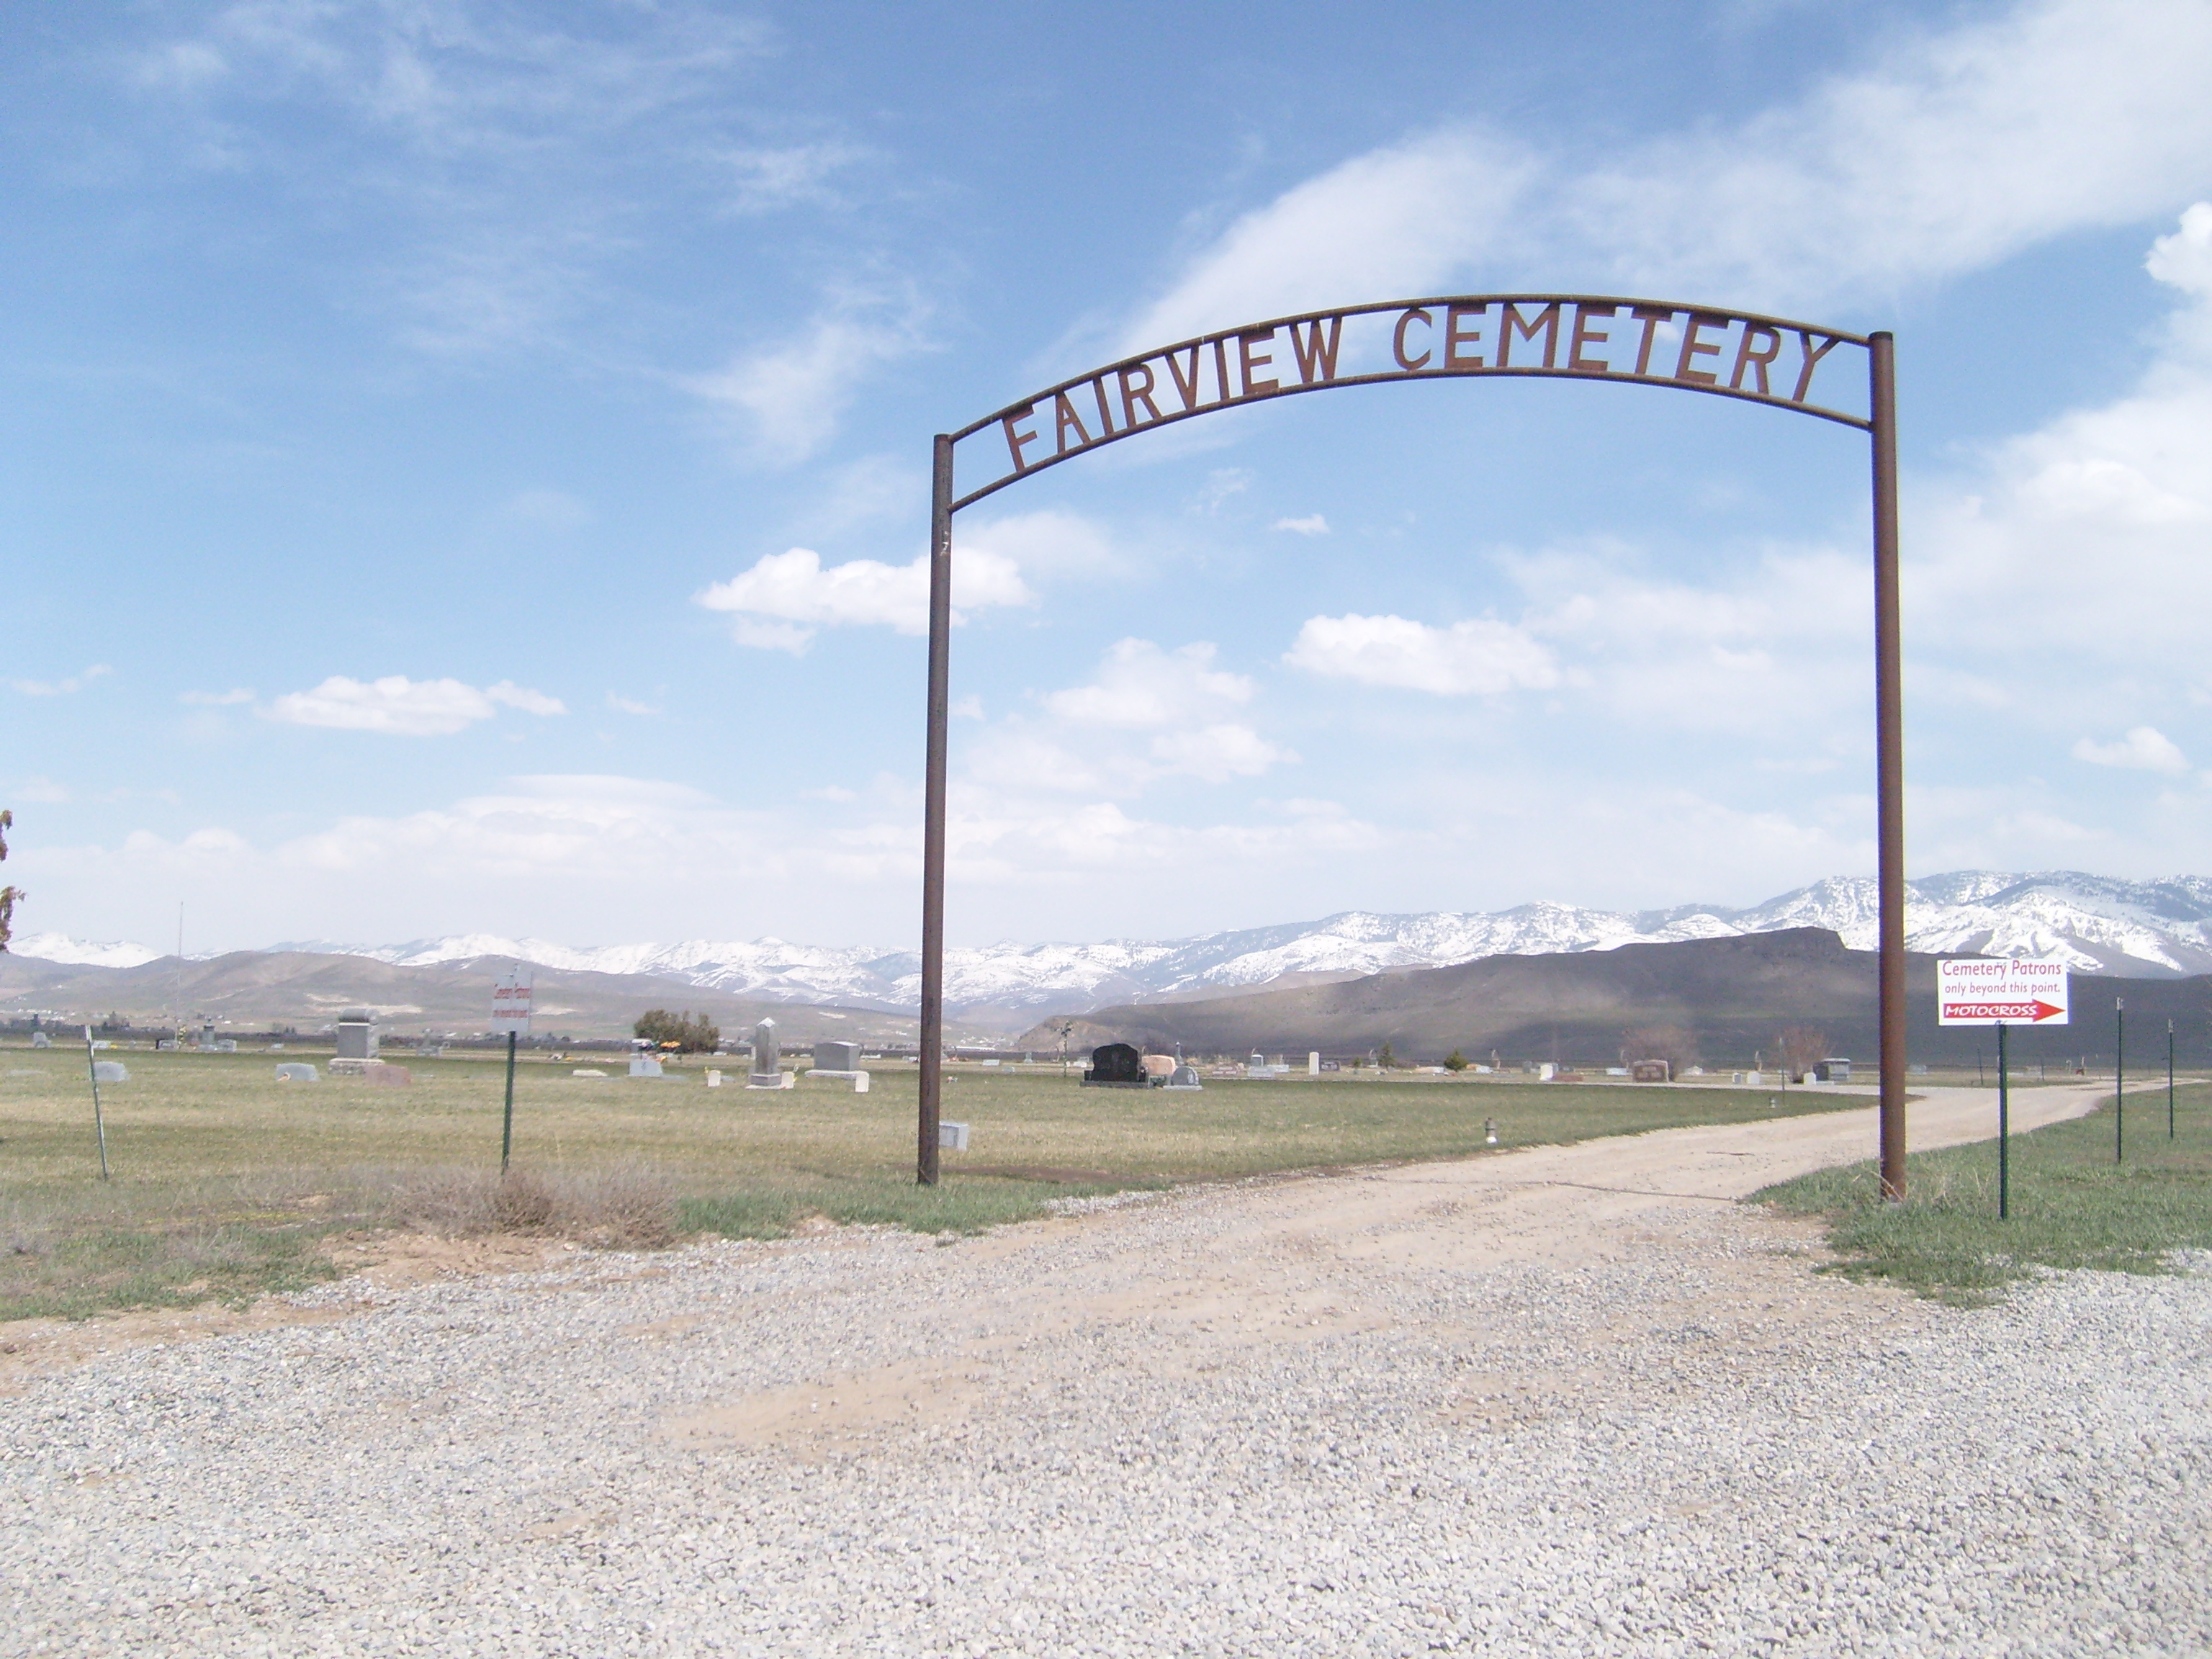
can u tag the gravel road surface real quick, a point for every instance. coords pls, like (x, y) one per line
(1570, 1401)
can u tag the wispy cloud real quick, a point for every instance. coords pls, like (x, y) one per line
(779, 603)
(399, 707)
(513, 151)
(215, 699)
(62, 688)
(1476, 656)
(2145, 748)
(788, 398)
(1960, 147)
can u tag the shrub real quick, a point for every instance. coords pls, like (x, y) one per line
(679, 1031)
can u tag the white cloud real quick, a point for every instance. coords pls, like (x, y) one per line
(765, 180)
(629, 705)
(788, 398)
(1478, 656)
(1394, 221)
(2145, 748)
(529, 701)
(1048, 543)
(1312, 524)
(216, 699)
(1139, 685)
(399, 707)
(1147, 714)
(2185, 259)
(1956, 150)
(2122, 490)
(784, 597)
(1218, 752)
(62, 688)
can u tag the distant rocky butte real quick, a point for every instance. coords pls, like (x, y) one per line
(2096, 924)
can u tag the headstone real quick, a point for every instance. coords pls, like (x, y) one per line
(110, 1071)
(714, 1078)
(837, 1056)
(1651, 1070)
(40, 1040)
(293, 1070)
(1548, 1070)
(645, 1066)
(1313, 1064)
(587, 1071)
(767, 1070)
(1116, 1065)
(952, 1137)
(1184, 1077)
(356, 1035)
(225, 1045)
(860, 1083)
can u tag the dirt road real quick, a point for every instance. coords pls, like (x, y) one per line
(1571, 1400)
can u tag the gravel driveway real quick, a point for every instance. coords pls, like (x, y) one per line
(1564, 1402)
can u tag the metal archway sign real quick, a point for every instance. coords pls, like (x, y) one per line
(1727, 354)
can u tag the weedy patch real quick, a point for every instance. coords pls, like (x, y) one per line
(2073, 1204)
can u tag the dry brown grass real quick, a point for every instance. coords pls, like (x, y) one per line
(626, 1206)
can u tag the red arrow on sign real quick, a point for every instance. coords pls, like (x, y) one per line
(2030, 1011)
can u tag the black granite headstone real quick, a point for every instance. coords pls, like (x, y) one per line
(1116, 1065)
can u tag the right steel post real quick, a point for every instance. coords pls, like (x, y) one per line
(1889, 760)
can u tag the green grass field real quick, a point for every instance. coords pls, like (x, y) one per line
(2072, 1205)
(224, 1179)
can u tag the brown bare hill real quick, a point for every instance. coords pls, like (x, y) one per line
(1734, 995)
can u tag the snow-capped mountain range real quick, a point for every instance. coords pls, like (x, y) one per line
(2094, 923)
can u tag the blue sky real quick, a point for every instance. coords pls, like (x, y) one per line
(461, 464)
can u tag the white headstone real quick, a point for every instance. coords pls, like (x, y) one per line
(110, 1071)
(293, 1070)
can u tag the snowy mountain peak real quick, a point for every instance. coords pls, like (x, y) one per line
(2096, 924)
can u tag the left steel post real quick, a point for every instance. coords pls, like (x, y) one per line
(506, 1118)
(932, 812)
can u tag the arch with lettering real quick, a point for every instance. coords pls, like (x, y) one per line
(1773, 361)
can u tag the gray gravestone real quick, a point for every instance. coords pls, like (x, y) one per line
(293, 1070)
(40, 1040)
(767, 1070)
(356, 1035)
(110, 1071)
(837, 1056)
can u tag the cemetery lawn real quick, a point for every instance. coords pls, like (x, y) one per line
(226, 1184)
(2072, 1205)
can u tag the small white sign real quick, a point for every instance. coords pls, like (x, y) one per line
(1998, 991)
(510, 1002)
